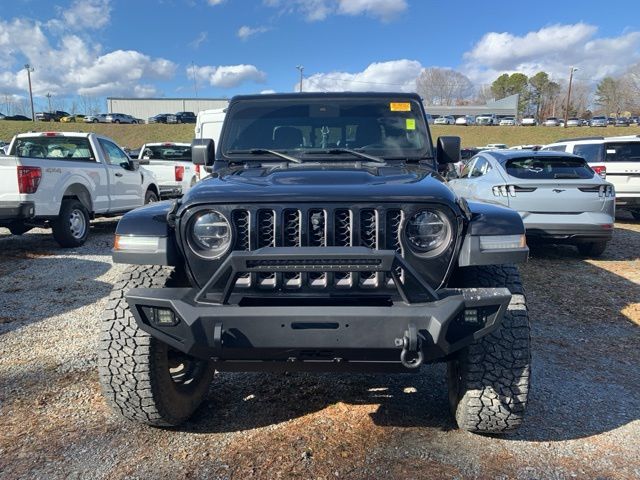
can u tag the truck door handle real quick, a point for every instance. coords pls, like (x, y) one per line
(118, 174)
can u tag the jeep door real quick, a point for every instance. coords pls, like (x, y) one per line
(125, 184)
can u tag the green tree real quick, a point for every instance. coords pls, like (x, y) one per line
(610, 95)
(543, 94)
(516, 83)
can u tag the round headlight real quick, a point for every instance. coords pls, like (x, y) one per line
(428, 230)
(211, 234)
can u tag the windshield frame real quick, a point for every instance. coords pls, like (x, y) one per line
(426, 152)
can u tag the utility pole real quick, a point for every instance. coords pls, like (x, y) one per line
(30, 69)
(195, 85)
(48, 95)
(301, 69)
(566, 110)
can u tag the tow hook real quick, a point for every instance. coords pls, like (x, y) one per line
(411, 355)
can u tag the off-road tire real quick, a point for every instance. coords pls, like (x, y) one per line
(150, 197)
(63, 231)
(592, 249)
(134, 367)
(489, 380)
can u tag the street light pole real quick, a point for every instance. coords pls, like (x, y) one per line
(566, 110)
(48, 95)
(30, 69)
(301, 69)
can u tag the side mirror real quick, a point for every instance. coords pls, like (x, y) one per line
(448, 150)
(203, 152)
(134, 165)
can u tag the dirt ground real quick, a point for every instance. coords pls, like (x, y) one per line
(582, 422)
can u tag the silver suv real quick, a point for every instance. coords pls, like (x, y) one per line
(120, 118)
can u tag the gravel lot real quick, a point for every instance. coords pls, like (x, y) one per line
(583, 419)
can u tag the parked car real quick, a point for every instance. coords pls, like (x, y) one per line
(19, 118)
(496, 146)
(508, 122)
(160, 118)
(615, 158)
(72, 119)
(171, 164)
(560, 199)
(185, 117)
(297, 257)
(444, 120)
(551, 122)
(120, 118)
(51, 116)
(428, 117)
(63, 179)
(634, 120)
(533, 147)
(487, 119)
(611, 121)
(99, 118)
(466, 120)
(598, 121)
(622, 122)
(574, 122)
(528, 122)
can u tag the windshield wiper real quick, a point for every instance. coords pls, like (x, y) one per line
(338, 151)
(264, 151)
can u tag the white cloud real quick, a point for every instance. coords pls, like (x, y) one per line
(317, 10)
(553, 49)
(383, 76)
(244, 32)
(267, 91)
(199, 40)
(215, 2)
(227, 76)
(87, 14)
(68, 64)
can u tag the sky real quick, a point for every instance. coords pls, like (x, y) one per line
(219, 48)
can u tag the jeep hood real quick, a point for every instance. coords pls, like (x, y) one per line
(322, 183)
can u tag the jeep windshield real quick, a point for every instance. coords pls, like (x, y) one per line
(324, 129)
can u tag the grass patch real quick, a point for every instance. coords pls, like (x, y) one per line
(133, 136)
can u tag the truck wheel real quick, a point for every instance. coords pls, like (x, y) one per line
(18, 228)
(71, 226)
(150, 197)
(635, 214)
(489, 380)
(592, 249)
(142, 378)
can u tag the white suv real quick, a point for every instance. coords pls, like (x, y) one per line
(616, 158)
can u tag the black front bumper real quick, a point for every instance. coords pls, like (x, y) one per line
(10, 211)
(323, 333)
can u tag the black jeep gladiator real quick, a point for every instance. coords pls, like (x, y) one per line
(323, 240)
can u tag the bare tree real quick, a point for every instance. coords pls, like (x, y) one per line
(631, 87)
(443, 86)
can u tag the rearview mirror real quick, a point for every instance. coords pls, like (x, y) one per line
(203, 152)
(448, 150)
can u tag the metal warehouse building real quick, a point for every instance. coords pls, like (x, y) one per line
(148, 107)
(505, 107)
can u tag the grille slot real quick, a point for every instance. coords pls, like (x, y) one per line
(375, 228)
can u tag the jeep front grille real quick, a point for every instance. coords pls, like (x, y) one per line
(375, 228)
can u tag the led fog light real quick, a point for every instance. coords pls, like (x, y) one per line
(163, 317)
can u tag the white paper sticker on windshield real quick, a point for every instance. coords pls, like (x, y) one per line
(611, 150)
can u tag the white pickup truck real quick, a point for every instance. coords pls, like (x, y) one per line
(171, 164)
(63, 179)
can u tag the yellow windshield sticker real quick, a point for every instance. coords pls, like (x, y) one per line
(400, 106)
(411, 123)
